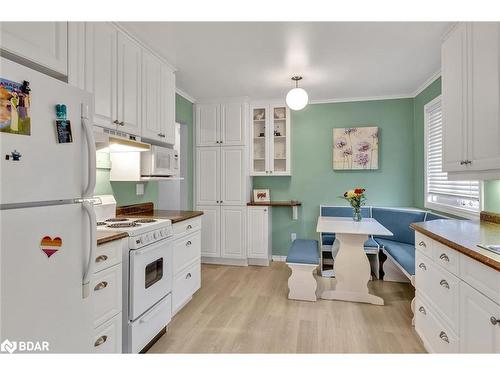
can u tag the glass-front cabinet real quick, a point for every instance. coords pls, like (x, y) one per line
(270, 140)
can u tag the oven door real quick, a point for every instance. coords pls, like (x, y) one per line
(163, 161)
(150, 276)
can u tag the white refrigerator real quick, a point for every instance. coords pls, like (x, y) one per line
(48, 231)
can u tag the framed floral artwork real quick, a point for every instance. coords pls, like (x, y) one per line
(355, 148)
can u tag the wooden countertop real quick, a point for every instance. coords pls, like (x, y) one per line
(175, 215)
(464, 236)
(276, 203)
(104, 236)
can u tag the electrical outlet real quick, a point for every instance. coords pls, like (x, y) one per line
(139, 189)
(293, 236)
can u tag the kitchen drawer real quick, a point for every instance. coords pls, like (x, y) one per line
(186, 283)
(108, 336)
(149, 324)
(436, 335)
(187, 226)
(446, 257)
(424, 244)
(186, 250)
(106, 289)
(422, 269)
(483, 278)
(108, 255)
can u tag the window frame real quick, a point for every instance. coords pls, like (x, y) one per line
(439, 206)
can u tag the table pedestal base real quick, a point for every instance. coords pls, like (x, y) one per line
(352, 271)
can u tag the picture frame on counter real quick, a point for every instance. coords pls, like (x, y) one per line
(261, 195)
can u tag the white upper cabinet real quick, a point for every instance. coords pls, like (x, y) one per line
(270, 146)
(484, 116)
(232, 124)
(151, 96)
(471, 101)
(43, 43)
(168, 105)
(100, 71)
(220, 124)
(207, 124)
(129, 85)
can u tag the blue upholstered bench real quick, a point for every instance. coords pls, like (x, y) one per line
(303, 260)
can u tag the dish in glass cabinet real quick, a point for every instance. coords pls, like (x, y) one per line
(279, 113)
(259, 114)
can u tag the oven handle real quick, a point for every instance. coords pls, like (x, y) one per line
(146, 318)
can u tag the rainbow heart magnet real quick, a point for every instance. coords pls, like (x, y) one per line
(50, 246)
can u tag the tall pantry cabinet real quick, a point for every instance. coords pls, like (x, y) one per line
(222, 180)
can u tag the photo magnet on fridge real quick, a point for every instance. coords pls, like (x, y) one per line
(64, 134)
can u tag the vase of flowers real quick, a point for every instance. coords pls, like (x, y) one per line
(356, 199)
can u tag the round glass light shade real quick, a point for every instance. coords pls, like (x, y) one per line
(297, 98)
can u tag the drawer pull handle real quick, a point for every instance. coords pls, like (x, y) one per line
(444, 284)
(422, 243)
(188, 243)
(101, 285)
(188, 276)
(101, 258)
(494, 321)
(422, 266)
(189, 227)
(422, 310)
(444, 257)
(443, 336)
(101, 340)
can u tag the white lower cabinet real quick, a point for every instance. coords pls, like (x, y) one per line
(457, 304)
(479, 323)
(233, 232)
(187, 261)
(106, 297)
(259, 243)
(210, 231)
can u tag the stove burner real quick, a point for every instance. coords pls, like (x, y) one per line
(100, 223)
(123, 225)
(145, 221)
(116, 219)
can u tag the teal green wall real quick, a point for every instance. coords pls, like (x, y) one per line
(492, 196)
(313, 180)
(432, 91)
(184, 115)
(124, 192)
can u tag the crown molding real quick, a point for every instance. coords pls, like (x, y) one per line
(360, 99)
(426, 84)
(185, 95)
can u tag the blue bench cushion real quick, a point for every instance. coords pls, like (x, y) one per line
(431, 216)
(343, 211)
(402, 253)
(398, 222)
(329, 238)
(303, 251)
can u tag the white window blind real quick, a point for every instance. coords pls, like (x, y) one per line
(441, 193)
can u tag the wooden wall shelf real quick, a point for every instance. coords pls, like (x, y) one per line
(293, 204)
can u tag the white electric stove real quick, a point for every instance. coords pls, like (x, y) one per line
(147, 273)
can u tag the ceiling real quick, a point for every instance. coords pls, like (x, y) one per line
(338, 60)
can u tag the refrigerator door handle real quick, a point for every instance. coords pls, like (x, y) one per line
(89, 209)
(91, 150)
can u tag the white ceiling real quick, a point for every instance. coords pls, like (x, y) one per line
(337, 59)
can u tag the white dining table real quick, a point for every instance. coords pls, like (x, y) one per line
(351, 266)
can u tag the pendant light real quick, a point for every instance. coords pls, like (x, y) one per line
(297, 97)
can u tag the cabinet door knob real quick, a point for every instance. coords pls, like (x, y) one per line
(189, 226)
(101, 340)
(422, 243)
(422, 266)
(444, 257)
(101, 285)
(188, 276)
(101, 258)
(188, 243)
(422, 310)
(444, 284)
(122, 123)
(468, 162)
(462, 162)
(494, 321)
(443, 336)
(116, 122)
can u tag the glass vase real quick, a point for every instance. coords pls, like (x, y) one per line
(356, 214)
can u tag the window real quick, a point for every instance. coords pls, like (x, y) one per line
(455, 197)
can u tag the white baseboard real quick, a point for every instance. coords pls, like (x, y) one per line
(258, 262)
(224, 261)
(279, 258)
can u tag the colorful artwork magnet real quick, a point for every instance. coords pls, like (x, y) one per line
(15, 102)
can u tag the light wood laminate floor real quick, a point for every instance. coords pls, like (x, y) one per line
(246, 310)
